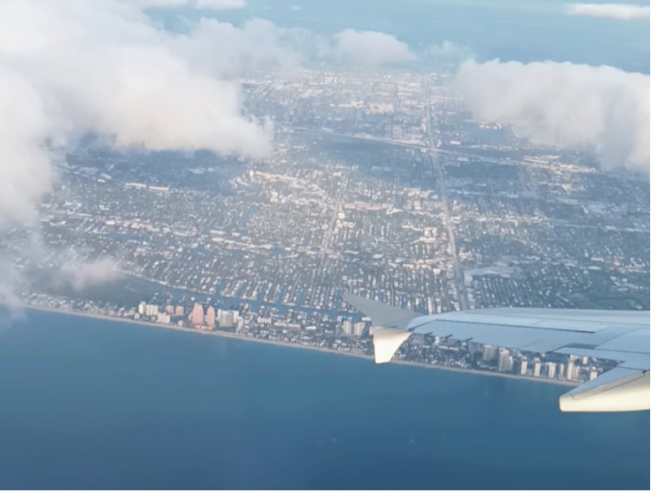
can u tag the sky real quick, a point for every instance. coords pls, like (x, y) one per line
(163, 74)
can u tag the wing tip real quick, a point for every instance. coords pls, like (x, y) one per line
(629, 393)
(386, 342)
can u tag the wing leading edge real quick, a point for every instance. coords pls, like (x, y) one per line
(621, 336)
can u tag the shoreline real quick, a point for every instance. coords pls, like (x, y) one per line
(234, 336)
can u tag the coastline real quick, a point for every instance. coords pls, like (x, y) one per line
(234, 336)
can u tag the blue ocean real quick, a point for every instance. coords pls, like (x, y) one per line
(88, 403)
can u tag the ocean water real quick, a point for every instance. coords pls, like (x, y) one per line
(96, 404)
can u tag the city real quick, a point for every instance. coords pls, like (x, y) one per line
(381, 185)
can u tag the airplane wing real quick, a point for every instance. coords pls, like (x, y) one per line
(621, 336)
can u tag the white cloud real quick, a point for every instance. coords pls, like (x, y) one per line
(220, 4)
(113, 73)
(116, 73)
(609, 10)
(154, 4)
(448, 52)
(566, 105)
(25, 170)
(11, 282)
(258, 44)
(369, 48)
(68, 67)
(25, 261)
(83, 274)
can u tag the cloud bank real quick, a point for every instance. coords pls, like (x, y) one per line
(25, 261)
(155, 4)
(259, 44)
(561, 104)
(114, 73)
(220, 4)
(69, 67)
(609, 11)
(370, 48)
(448, 53)
(199, 4)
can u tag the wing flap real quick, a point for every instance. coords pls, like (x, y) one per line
(635, 341)
(637, 361)
(530, 339)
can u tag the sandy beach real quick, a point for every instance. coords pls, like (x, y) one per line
(290, 345)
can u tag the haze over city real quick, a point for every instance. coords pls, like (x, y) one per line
(233, 168)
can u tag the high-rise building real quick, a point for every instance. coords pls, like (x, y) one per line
(142, 308)
(179, 311)
(210, 317)
(163, 318)
(358, 328)
(561, 370)
(523, 366)
(576, 373)
(536, 367)
(151, 310)
(593, 373)
(197, 317)
(569, 374)
(551, 370)
(226, 318)
(504, 360)
(347, 327)
(169, 309)
(489, 352)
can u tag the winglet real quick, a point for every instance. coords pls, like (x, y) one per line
(617, 390)
(389, 325)
(386, 342)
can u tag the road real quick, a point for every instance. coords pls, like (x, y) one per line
(459, 279)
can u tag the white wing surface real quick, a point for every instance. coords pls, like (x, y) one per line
(621, 336)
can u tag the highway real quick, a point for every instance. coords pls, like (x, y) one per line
(459, 279)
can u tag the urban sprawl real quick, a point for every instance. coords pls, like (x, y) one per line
(380, 185)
